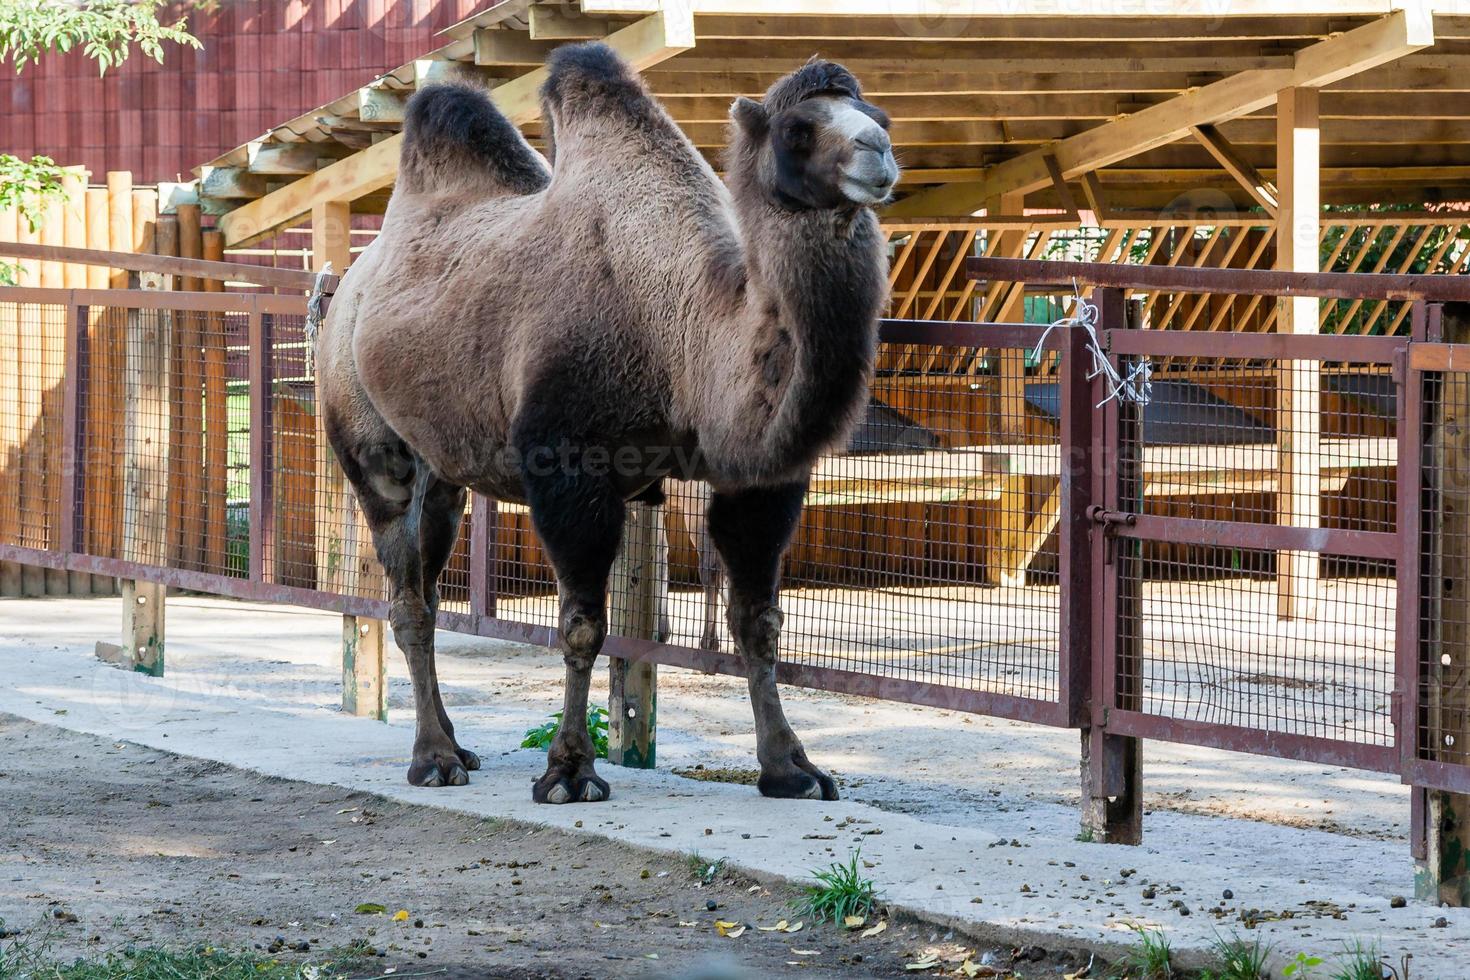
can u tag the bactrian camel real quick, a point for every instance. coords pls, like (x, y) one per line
(568, 335)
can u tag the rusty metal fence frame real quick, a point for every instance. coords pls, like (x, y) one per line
(1091, 510)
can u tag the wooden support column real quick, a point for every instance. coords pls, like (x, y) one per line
(1005, 565)
(632, 703)
(1443, 874)
(1299, 391)
(146, 449)
(364, 683)
(1112, 765)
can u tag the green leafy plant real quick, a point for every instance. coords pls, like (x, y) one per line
(105, 30)
(1149, 960)
(1301, 966)
(840, 891)
(540, 737)
(703, 868)
(1237, 959)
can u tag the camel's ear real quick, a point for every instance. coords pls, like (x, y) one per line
(749, 115)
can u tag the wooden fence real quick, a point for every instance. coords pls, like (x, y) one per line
(119, 217)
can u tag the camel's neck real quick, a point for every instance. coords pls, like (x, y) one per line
(794, 384)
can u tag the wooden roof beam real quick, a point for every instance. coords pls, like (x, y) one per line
(642, 43)
(1401, 32)
(991, 8)
(1258, 187)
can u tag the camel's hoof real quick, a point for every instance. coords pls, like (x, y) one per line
(557, 789)
(439, 770)
(797, 784)
(470, 760)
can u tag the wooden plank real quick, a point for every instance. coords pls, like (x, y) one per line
(190, 394)
(216, 420)
(103, 394)
(1299, 396)
(53, 346)
(31, 501)
(74, 276)
(633, 586)
(10, 426)
(1258, 187)
(1328, 61)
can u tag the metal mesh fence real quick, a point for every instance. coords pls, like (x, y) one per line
(1242, 629)
(1443, 721)
(928, 549)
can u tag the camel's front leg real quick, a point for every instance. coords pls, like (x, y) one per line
(751, 530)
(579, 517)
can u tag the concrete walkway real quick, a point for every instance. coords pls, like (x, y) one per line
(961, 818)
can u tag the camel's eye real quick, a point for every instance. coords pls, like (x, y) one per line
(797, 134)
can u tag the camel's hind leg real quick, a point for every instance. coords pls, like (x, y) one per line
(751, 529)
(579, 517)
(414, 518)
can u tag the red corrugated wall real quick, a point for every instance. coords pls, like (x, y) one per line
(262, 63)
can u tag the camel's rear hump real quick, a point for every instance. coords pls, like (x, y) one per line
(455, 139)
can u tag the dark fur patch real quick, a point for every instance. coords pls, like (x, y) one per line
(592, 75)
(813, 78)
(452, 128)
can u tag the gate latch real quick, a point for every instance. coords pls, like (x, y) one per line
(1099, 514)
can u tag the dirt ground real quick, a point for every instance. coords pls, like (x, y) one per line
(109, 844)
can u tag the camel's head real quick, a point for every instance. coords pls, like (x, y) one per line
(813, 143)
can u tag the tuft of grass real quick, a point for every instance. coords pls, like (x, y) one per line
(1237, 959)
(1361, 961)
(703, 868)
(840, 891)
(1149, 960)
(540, 737)
(33, 961)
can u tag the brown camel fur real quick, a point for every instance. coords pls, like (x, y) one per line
(570, 335)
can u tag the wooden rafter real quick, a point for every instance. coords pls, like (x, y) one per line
(645, 42)
(1377, 43)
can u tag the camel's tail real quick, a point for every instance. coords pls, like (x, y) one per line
(455, 139)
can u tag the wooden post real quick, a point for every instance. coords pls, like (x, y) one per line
(364, 680)
(1112, 765)
(1299, 394)
(339, 543)
(1004, 566)
(146, 478)
(1443, 876)
(632, 700)
(190, 376)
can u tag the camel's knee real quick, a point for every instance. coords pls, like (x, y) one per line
(757, 630)
(412, 620)
(583, 632)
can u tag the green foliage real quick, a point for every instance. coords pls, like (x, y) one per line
(1238, 959)
(703, 868)
(1360, 961)
(28, 186)
(540, 737)
(840, 891)
(105, 30)
(1149, 960)
(1301, 966)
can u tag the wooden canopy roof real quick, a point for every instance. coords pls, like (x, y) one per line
(1147, 104)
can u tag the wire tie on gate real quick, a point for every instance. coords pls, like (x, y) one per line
(314, 317)
(1136, 386)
